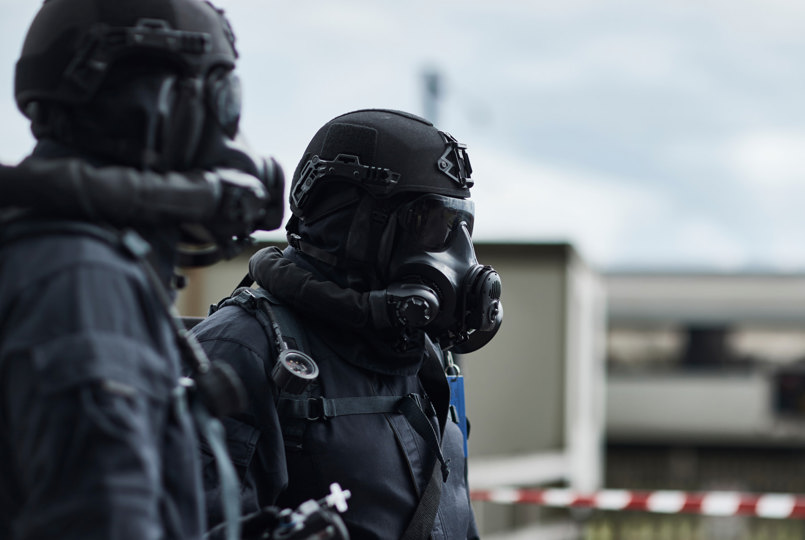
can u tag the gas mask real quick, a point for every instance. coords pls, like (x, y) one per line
(436, 282)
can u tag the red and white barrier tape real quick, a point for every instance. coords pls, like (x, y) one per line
(714, 503)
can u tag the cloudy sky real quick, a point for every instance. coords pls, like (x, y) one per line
(651, 135)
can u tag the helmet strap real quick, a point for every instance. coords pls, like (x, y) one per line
(296, 242)
(364, 239)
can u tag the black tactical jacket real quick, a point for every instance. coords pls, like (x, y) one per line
(379, 457)
(94, 444)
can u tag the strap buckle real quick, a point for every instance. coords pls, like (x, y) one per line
(315, 409)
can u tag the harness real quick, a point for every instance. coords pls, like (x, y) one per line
(297, 410)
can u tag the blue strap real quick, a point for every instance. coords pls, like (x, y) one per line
(457, 406)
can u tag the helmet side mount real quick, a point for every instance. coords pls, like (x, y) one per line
(377, 180)
(104, 45)
(454, 162)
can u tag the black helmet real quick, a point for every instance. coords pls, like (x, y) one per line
(371, 158)
(384, 153)
(71, 44)
(145, 83)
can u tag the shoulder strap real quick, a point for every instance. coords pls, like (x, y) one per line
(433, 380)
(259, 302)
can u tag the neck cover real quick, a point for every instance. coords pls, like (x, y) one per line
(343, 314)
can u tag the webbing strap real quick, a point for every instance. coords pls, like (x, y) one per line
(321, 408)
(416, 417)
(421, 524)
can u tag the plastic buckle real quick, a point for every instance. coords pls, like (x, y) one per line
(418, 400)
(315, 404)
(246, 298)
(294, 240)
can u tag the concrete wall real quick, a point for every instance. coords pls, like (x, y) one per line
(535, 394)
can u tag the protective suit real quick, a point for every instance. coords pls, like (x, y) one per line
(379, 284)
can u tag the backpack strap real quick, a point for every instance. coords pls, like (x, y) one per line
(412, 406)
(259, 302)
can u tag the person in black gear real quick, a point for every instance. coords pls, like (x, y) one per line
(345, 344)
(136, 100)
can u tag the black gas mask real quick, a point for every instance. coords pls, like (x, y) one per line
(436, 282)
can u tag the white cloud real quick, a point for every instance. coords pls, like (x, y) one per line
(706, 242)
(768, 159)
(529, 201)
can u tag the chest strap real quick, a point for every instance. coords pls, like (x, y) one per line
(411, 406)
(322, 408)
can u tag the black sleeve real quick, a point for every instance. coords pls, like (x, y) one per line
(254, 438)
(97, 447)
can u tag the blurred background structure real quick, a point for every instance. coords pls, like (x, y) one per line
(639, 181)
(691, 382)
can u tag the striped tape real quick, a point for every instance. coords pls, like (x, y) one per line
(714, 503)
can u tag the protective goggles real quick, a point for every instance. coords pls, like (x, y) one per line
(431, 219)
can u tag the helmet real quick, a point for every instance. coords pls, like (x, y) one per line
(71, 44)
(385, 153)
(373, 158)
(134, 80)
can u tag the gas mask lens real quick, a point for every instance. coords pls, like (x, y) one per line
(432, 219)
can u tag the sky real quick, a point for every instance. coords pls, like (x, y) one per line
(650, 135)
